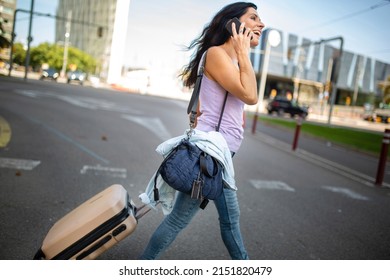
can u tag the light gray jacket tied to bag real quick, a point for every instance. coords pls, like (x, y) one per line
(212, 143)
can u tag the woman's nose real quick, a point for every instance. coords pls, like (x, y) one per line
(261, 24)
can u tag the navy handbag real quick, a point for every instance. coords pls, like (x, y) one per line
(190, 170)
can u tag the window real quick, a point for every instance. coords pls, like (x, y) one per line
(8, 11)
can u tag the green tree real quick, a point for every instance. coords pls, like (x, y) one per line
(385, 86)
(82, 60)
(53, 55)
(46, 53)
(18, 54)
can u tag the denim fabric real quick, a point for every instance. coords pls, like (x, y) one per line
(184, 210)
(229, 223)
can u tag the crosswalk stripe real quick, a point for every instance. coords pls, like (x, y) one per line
(347, 192)
(271, 185)
(20, 164)
(104, 170)
(154, 125)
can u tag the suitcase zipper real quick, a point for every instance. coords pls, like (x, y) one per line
(95, 235)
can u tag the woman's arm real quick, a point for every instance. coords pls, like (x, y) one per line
(241, 81)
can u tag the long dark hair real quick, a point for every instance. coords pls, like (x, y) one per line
(214, 34)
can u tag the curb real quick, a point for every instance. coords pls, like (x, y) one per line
(320, 161)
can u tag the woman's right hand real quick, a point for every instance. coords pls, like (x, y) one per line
(242, 39)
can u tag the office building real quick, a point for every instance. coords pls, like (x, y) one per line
(304, 71)
(96, 27)
(7, 10)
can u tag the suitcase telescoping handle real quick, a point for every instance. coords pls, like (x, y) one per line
(139, 212)
(39, 255)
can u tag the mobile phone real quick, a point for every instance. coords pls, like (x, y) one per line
(229, 25)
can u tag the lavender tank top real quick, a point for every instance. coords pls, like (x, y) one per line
(211, 99)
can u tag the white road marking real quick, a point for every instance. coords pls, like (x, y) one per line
(155, 125)
(271, 185)
(77, 102)
(109, 106)
(105, 171)
(83, 102)
(20, 164)
(346, 192)
(28, 93)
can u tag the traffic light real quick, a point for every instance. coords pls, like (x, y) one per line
(289, 53)
(100, 32)
(328, 86)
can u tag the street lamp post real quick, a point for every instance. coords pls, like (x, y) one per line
(66, 44)
(14, 35)
(334, 76)
(29, 39)
(272, 40)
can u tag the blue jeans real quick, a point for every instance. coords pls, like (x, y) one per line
(184, 210)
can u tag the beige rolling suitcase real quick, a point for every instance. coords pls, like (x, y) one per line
(91, 228)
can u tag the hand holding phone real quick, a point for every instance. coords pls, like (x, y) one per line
(237, 23)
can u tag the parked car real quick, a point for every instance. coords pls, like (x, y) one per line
(49, 73)
(282, 105)
(381, 114)
(76, 76)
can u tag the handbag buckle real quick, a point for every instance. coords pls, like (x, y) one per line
(196, 191)
(192, 124)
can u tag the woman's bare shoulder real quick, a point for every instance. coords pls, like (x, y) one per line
(216, 51)
(218, 56)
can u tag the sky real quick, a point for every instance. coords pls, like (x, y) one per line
(158, 30)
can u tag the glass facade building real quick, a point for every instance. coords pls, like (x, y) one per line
(7, 10)
(96, 27)
(305, 70)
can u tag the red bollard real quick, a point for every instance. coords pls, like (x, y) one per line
(255, 117)
(383, 157)
(297, 131)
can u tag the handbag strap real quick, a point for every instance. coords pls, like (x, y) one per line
(193, 105)
(223, 109)
(192, 108)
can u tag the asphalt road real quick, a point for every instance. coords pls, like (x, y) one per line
(69, 142)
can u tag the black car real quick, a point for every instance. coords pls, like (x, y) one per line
(282, 105)
(50, 73)
(77, 76)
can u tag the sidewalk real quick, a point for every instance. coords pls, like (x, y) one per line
(359, 166)
(32, 76)
(349, 122)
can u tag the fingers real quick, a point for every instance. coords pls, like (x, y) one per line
(234, 29)
(246, 31)
(242, 30)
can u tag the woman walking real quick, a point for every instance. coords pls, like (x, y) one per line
(227, 69)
